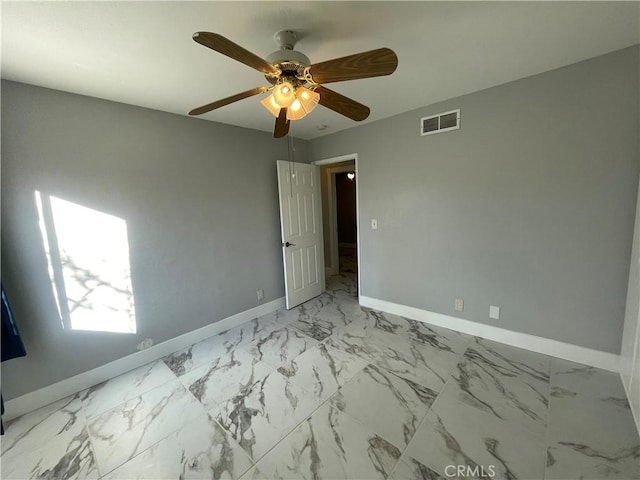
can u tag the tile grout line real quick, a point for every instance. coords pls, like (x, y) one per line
(307, 417)
(328, 399)
(424, 420)
(255, 463)
(438, 400)
(99, 414)
(449, 376)
(178, 378)
(361, 423)
(159, 440)
(275, 370)
(90, 437)
(545, 455)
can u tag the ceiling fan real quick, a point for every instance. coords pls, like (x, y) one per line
(296, 84)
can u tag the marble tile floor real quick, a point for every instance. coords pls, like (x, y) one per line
(330, 390)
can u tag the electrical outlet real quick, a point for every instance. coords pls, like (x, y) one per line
(458, 305)
(260, 294)
(146, 343)
(494, 312)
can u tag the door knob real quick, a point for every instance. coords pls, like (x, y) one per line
(289, 244)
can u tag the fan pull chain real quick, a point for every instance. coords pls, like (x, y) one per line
(291, 166)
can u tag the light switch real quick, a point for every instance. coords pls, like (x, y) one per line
(374, 224)
(458, 305)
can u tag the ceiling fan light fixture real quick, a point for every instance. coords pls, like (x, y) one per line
(296, 111)
(289, 71)
(307, 98)
(284, 93)
(271, 105)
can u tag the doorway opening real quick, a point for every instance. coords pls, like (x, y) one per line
(339, 186)
(345, 202)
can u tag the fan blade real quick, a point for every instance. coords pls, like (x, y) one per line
(282, 124)
(374, 63)
(226, 47)
(226, 101)
(341, 104)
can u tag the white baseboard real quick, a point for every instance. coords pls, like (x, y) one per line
(554, 348)
(51, 393)
(328, 271)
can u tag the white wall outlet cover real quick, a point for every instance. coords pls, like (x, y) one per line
(146, 343)
(494, 312)
(458, 305)
(260, 294)
(374, 224)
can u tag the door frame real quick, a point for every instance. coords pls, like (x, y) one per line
(331, 204)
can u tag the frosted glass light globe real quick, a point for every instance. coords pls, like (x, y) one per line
(284, 94)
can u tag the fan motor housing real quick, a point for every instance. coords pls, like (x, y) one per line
(290, 62)
(290, 71)
(288, 56)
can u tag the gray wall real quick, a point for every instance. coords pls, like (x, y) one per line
(529, 206)
(199, 199)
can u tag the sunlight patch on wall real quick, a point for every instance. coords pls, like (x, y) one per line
(88, 259)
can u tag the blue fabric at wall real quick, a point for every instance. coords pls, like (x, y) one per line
(12, 346)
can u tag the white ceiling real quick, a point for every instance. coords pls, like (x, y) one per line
(142, 53)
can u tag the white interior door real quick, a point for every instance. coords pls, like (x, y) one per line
(301, 227)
